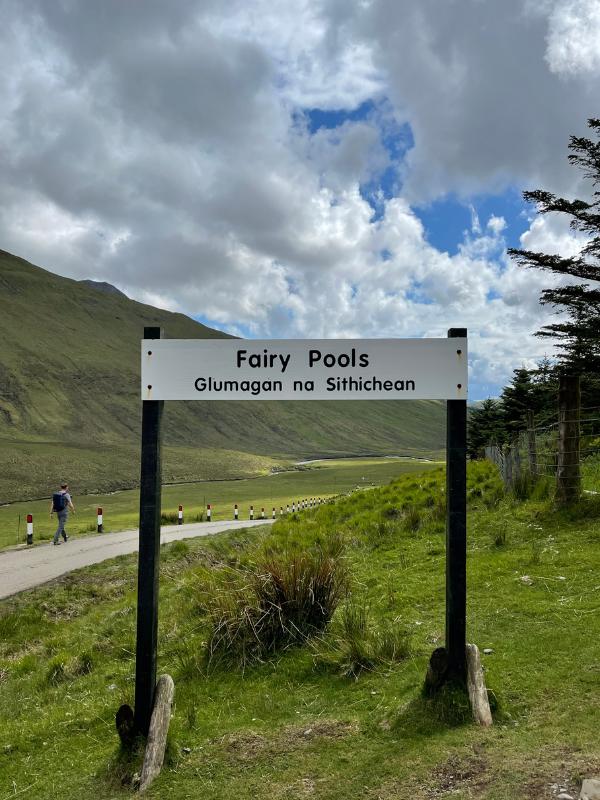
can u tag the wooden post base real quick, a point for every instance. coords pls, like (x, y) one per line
(478, 695)
(154, 753)
(159, 728)
(438, 675)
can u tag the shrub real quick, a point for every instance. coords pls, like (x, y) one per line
(280, 601)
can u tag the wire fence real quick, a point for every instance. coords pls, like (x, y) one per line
(565, 450)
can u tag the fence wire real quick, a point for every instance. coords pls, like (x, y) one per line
(535, 452)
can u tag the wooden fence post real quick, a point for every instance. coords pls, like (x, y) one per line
(508, 467)
(568, 475)
(531, 444)
(516, 458)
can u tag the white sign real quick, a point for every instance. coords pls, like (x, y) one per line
(311, 369)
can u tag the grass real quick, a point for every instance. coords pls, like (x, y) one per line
(121, 509)
(301, 726)
(30, 470)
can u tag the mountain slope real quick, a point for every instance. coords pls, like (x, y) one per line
(69, 372)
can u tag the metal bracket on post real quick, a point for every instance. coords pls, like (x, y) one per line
(149, 555)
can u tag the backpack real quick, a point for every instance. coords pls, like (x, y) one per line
(59, 501)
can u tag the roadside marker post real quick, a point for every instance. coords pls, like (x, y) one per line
(100, 526)
(29, 528)
(235, 512)
(368, 369)
(287, 509)
(180, 516)
(208, 512)
(262, 513)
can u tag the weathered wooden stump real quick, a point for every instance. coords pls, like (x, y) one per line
(438, 675)
(159, 728)
(478, 695)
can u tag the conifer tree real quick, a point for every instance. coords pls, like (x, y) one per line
(579, 333)
(486, 427)
(518, 397)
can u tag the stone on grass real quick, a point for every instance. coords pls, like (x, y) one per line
(487, 651)
(590, 789)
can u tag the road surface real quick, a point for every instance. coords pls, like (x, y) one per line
(24, 568)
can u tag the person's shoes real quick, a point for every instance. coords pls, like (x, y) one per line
(66, 538)
(55, 543)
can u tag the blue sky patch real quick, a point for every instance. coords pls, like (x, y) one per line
(446, 220)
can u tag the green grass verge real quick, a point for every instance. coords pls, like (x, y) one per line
(298, 726)
(121, 509)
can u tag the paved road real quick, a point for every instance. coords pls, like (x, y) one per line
(25, 568)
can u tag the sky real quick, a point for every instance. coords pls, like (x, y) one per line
(305, 169)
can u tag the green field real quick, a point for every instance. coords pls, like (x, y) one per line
(298, 725)
(30, 470)
(120, 509)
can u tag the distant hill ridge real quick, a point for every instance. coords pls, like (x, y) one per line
(70, 372)
(102, 286)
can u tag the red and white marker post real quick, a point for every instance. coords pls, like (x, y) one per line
(100, 527)
(235, 512)
(180, 516)
(29, 528)
(208, 512)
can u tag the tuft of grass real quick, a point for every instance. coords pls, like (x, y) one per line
(412, 519)
(282, 600)
(356, 645)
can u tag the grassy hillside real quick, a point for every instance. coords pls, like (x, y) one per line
(301, 723)
(69, 373)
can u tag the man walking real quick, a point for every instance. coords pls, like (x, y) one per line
(61, 505)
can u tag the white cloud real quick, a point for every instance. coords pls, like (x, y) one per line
(165, 152)
(574, 37)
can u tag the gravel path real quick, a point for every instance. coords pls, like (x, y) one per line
(24, 568)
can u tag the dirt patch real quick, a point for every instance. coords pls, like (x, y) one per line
(468, 776)
(249, 746)
(564, 770)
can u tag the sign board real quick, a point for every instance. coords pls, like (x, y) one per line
(304, 369)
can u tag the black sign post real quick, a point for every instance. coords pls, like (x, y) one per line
(149, 555)
(456, 532)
